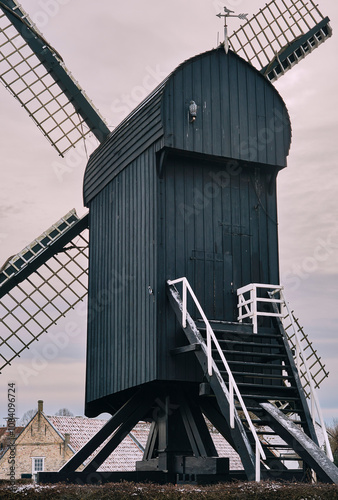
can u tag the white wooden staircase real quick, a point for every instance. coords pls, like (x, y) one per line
(252, 391)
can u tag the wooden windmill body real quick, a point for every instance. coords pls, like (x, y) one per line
(183, 193)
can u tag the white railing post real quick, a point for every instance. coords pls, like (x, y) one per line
(209, 351)
(232, 403)
(258, 464)
(241, 300)
(253, 296)
(184, 300)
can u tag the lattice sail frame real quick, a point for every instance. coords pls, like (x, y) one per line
(48, 292)
(32, 84)
(316, 366)
(280, 35)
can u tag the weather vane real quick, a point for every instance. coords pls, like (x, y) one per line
(229, 13)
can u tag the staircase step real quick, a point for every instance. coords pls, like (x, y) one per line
(269, 372)
(271, 376)
(256, 410)
(252, 407)
(225, 326)
(286, 457)
(260, 365)
(267, 422)
(270, 397)
(285, 390)
(266, 433)
(251, 344)
(254, 354)
(263, 333)
(278, 446)
(266, 377)
(275, 445)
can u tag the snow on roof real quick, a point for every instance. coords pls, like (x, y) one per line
(225, 450)
(82, 429)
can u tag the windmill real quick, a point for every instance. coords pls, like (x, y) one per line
(141, 362)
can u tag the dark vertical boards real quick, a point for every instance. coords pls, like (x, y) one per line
(263, 218)
(240, 114)
(121, 345)
(177, 228)
(217, 229)
(272, 225)
(132, 137)
(246, 228)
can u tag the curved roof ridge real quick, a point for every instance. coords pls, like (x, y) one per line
(160, 120)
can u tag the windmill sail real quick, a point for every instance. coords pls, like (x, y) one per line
(40, 284)
(280, 35)
(36, 75)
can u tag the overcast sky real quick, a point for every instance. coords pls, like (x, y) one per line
(116, 50)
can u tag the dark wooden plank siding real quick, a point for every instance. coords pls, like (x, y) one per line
(220, 230)
(242, 126)
(121, 347)
(130, 139)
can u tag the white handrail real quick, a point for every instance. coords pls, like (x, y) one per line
(232, 384)
(251, 304)
(313, 393)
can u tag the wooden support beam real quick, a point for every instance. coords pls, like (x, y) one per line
(151, 442)
(196, 428)
(110, 427)
(137, 410)
(302, 444)
(185, 349)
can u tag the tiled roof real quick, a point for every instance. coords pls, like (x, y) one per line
(4, 432)
(225, 450)
(4, 438)
(82, 429)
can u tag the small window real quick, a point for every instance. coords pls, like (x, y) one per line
(38, 465)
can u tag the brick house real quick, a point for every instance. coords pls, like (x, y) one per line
(39, 446)
(47, 442)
